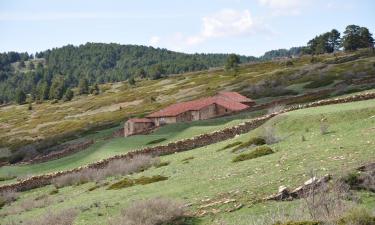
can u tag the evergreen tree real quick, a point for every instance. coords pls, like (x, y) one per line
(21, 65)
(232, 62)
(357, 37)
(334, 40)
(57, 88)
(42, 90)
(31, 66)
(20, 97)
(83, 86)
(68, 95)
(142, 73)
(157, 72)
(95, 89)
(131, 81)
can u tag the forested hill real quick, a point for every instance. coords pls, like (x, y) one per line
(114, 62)
(96, 63)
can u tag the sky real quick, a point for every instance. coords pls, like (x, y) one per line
(247, 27)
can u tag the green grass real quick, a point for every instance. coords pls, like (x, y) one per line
(106, 148)
(212, 175)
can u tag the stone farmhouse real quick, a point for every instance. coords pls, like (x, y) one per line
(224, 103)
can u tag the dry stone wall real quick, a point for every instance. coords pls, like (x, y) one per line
(182, 145)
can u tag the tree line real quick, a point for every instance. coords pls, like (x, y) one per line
(354, 37)
(88, 65)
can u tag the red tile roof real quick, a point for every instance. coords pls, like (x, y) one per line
(234, 96)
(225, 101)
(140, 120)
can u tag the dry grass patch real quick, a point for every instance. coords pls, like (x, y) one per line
(152, 212)
(116, 167)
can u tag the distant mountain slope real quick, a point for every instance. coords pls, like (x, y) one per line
(98, 63)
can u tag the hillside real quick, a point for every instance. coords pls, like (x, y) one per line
(97, 63)
(209, 182)
(47, 123)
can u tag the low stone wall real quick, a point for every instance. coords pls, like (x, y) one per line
(73, 148)
(182, 145)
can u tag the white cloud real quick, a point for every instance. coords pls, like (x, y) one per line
(224, 23)
(154, 40)
(285, 6)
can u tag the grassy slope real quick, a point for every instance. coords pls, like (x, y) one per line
(106, 148)
(211, 173)
(18, 126)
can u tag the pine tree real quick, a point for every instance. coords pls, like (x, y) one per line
(68, 95)
(20, 97)
(83, 86)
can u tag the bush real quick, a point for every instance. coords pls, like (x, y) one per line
(151, 212)
(17, 157)
(9, 177)
(357, 216)
(230, 145)
(128, 182)
(299, 223)
(252, 141)
(187, 159)
(156, 141)
(6, 197)
(257, 152)
(161, 164)
(319, 83)
(64, 217)
(270, 136)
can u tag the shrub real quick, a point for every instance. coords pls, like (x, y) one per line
(257, 152)
(54, 191)
(151, 212)
(128, 182)
(299, 223)
(64, 217)
(275, 109)
(17, 157)
(9, 177)
(156, 141)
(324, 127)
(270, 136)
(229, 145)
(187, 159)
(252, 141)
(357, 216)
(7, 197)
(358, 181)
(161, 164)
(319, 83)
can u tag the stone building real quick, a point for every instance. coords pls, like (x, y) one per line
(224, 103)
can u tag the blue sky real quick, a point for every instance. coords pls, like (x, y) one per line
(248, 27)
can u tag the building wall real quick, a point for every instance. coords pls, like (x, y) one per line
(222, 111)
(159, 121)
(208, 112)
(131, 128)
(184, 117)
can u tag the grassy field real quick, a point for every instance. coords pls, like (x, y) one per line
(104, 148)
(211, 175)
(20, 126)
